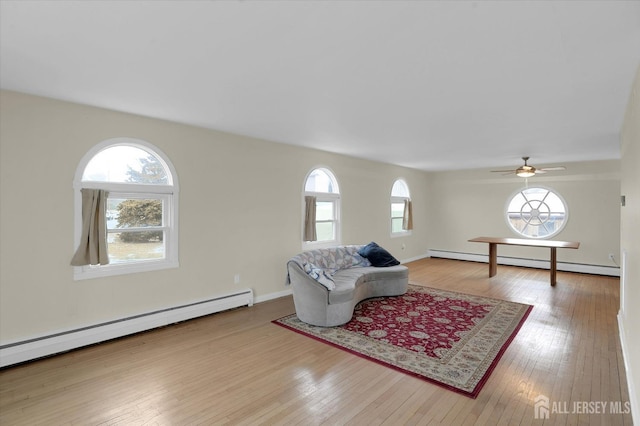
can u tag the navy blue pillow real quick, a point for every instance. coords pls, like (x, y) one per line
(364, 251)
(377, 255)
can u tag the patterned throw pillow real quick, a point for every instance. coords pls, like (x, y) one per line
(322, 264)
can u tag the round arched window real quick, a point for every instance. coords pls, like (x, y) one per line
(321, 180)
(536, 212)
(401, 216)
(321, 220)
(138, 214)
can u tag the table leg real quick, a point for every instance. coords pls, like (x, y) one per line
(493, 259)
(553, 265)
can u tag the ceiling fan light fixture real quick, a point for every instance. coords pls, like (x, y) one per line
(525, 171)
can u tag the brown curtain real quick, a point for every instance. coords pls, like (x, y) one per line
(407, 217)
(310, 218)
(92, 249)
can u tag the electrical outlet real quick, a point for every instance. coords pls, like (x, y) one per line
(236, 279)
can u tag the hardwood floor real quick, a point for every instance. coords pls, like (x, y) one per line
(236, 367)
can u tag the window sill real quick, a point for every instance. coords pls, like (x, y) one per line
(400, 234)
(319, 245)
(87, 272)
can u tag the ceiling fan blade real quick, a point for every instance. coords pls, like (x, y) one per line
(528, 170)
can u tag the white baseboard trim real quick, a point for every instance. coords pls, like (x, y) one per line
(530, 263)
(633, 395)
(62, 341)
(276, 295)
(413, 259)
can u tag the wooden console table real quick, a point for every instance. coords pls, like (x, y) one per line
(493, 250)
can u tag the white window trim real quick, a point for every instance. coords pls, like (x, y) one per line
(327, 197)
(334, 197)
(394, 199)
(167, 192)
(512, 229)
(402, 232)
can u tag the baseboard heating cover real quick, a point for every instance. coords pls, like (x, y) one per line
(26, 350)
(529, 263)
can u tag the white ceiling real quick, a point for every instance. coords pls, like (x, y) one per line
(433, 85)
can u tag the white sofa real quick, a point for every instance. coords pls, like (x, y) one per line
(329, 283)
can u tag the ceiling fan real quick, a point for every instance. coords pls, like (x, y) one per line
(528, 171)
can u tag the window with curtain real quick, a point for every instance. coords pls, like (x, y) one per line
(321, 209)
(401, 209)
(138, 219)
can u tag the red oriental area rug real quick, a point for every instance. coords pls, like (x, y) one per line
(451, 339)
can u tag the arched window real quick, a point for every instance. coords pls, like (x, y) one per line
(321, 209)
(536, 212)
(401, 209)
(137, 212)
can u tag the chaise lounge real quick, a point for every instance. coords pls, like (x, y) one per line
(329, 283)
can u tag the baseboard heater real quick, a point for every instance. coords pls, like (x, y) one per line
(529, 263)
(27, 350)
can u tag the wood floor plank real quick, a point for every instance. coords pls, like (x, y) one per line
(238, 368)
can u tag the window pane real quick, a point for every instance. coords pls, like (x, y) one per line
(133, 213)
(535, 193)
(554, 202)
(324, 231)
(400, 189)
(320, 181)
(324, 210)
(516, 203)
(396, 225)
(125, 164)
(126, 247)
(397, 210)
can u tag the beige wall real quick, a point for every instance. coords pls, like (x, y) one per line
(240, 213)
(629, 242)
(471, 203)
